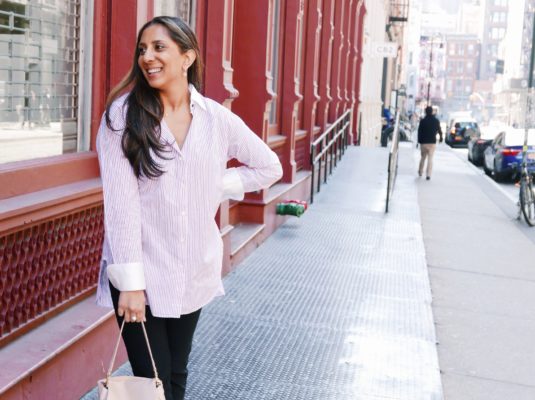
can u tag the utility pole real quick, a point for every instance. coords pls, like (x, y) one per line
(430, 72)
(531, 60)
(529, 100)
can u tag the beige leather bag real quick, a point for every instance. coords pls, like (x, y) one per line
(130, 387)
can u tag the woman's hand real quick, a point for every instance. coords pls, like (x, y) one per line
(132, 306)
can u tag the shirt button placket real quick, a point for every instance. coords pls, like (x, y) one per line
(183, 211)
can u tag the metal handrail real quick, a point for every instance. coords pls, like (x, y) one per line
(328, 149)
(392, 163)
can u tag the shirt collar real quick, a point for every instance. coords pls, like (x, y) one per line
(196, 97)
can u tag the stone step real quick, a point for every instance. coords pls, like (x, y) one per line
(63, 357)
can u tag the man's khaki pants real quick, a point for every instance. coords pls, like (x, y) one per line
(427, 152)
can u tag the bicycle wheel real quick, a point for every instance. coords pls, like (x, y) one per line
(527, 201)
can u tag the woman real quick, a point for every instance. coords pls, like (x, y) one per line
(163, 150)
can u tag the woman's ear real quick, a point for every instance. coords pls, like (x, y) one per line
(190, 57)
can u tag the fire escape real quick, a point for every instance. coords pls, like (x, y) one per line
(399, 15)
(399, 11)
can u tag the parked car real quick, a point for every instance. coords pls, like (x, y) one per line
(477, 145)
(461, 131)
(503, 157)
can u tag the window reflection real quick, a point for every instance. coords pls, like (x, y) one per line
(275, 60)
(39, 78)
(184, 9)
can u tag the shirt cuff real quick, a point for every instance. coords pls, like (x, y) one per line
(232, 185)
(126, 277)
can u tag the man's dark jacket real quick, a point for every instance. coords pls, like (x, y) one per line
(428, 129)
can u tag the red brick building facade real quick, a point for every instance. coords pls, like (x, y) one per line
(462, 66)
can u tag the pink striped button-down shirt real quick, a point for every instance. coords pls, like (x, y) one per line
(160, 234)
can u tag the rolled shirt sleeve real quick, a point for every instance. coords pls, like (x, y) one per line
(232, 185)
(261, 168)
(122, 215)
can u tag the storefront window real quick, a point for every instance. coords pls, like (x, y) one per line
(41, 78)
(275, 27)
(184, 9)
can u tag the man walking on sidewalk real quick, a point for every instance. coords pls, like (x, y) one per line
(427, 137)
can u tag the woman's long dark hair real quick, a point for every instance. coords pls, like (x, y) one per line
(142, 129)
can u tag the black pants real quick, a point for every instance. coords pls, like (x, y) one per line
(170, 340)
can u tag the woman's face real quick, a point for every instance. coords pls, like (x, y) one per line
(160, 58)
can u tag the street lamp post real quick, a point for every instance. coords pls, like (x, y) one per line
(526, 195)
(531, 63)
(529, 100)
(430, 72)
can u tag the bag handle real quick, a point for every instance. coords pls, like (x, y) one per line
(110, 370)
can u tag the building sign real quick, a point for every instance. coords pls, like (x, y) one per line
(384, 49)
(500, 65)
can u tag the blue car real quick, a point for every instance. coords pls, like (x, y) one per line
(503, 157)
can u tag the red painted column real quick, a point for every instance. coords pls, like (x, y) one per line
(100, 66)
(252, 75)
(150, 9)
(327, 35)
(291, 82)
(352, 60)
(200, 27)
(345, 62)
(361, 10)
(311, 96)
(360, 49)
(217, 48)
(114, 41)
(338, 46)
(251, 48)
(123, 32)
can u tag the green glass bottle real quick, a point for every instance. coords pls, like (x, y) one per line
(290, 209)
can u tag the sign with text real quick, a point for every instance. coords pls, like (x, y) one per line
(384, 49)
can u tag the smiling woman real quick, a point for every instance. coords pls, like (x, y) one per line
(167, 52)
(163, 150)
(162, 63)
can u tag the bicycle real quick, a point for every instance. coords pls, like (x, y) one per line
(526, 195)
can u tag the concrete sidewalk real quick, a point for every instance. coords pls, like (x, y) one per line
(482, 270)
(334, 305)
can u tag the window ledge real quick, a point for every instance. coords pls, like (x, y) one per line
(275, 141)
(300, 134)
(18, 211)
(25, 177)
